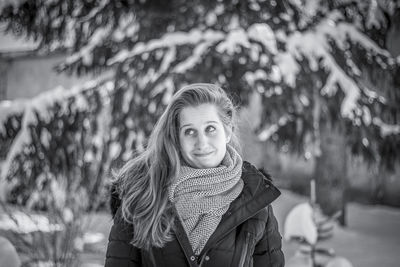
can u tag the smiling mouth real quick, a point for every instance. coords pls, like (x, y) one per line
(203, 154)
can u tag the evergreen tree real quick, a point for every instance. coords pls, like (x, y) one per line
(328, 84)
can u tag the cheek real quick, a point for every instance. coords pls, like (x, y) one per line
(185, 144)
(220, 137)
(222, 146)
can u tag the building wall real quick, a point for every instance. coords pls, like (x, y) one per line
(28, 75)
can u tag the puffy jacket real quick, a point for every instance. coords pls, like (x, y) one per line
(246, 236)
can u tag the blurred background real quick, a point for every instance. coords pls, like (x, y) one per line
(316, 83)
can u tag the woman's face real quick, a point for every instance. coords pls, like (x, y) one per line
(202, 136)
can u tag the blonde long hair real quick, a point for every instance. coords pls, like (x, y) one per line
(143, 181)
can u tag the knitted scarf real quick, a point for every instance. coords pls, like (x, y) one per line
(202, 196)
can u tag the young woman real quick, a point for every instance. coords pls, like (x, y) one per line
(189, 199)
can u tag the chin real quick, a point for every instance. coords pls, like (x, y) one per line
(204, 163)
(209, 164)
(206, 166)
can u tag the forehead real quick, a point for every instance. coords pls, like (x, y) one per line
(199, 114)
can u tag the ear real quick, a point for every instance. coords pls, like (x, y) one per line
(228, 133)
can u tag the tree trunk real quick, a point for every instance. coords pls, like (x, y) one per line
(330, 172)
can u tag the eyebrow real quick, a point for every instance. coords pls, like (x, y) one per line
(189, 124)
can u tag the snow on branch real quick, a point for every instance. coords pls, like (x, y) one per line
(386, 129)
(240, 37)
(21, 222)
(314, 45)
(375, 16)
(288, 66)
(308, 9)
(85, 53)
(229, 42)
(95, 10)
(9, 108)
(349, 87)
(263, 33)
(234, 39)
(127, 28)
(201, 42)
(38, 108)
(168, 40)
(341, 31)
(190, 62)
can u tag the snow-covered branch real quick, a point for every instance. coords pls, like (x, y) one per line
(39, 108)
(385, 128)
(168, 40)
(314, 45)
(86, 52)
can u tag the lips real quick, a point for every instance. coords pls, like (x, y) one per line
(203, 154)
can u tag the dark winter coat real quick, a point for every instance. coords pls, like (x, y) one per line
(246, 236)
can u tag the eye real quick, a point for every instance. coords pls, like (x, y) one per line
(210, 129)
(189, 132)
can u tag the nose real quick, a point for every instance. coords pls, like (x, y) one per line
(201, 140)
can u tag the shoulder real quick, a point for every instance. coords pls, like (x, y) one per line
(258, 185)
(114, 200)
(250, 174)
(120, 251)
(121, 230)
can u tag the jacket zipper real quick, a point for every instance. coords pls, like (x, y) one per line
(202, 259)
(185, 252)
(245, 251)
